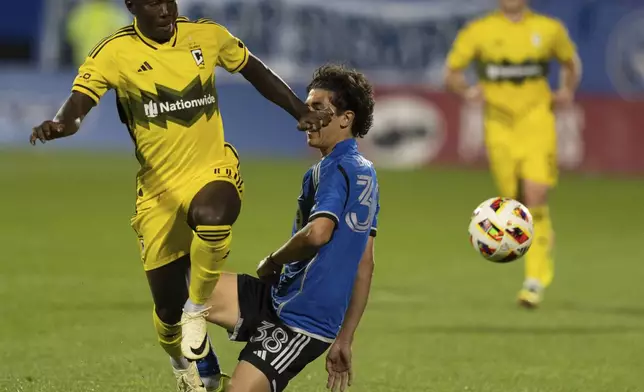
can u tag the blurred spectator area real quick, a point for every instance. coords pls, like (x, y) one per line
(20, 30)
(394, 41)
(400, 44)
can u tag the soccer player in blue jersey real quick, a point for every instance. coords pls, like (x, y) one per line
(312, 291)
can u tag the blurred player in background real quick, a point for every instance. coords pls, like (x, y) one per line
(512, 48)
(290, 318)
(89, 22)
(189, 189)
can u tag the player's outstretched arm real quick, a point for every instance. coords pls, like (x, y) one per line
(273, 88)
(303, 245)
(67, 120)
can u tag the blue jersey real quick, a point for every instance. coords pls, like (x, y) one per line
(313, 295)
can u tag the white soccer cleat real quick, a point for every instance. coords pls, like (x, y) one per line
(188, 380)
(531, 294)
(194, 334)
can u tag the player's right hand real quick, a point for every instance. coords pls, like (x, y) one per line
(474, 94)
(315, 120)
(563, 97)
(269, 271)
(48, 130)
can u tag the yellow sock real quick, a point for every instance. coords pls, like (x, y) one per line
(208, 252)
(539, 264)
(169, 336)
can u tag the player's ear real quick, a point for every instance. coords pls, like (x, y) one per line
(130, 6)
(346, 119)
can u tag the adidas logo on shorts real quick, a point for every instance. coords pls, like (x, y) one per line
(261, 354)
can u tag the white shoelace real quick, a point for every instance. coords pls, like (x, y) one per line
(189, 316)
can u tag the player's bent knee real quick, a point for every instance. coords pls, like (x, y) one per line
(217, 203)
(208, 215)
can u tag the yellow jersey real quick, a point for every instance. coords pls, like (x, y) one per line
(512, 58)
(166, 96)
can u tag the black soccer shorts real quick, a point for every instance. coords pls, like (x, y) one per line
(273, 348)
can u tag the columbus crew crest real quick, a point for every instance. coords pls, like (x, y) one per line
(197, 55)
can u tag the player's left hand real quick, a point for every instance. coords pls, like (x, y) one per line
(563, 97)
(338, 365)
(314, 120)
(268, 270)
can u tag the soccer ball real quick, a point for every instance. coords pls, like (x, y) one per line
(501, 229)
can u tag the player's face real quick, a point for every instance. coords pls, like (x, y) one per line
(513, 5)
(155, 18)
(337, 130)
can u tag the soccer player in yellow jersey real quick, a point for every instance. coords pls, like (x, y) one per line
(512, 49)
(189, 188)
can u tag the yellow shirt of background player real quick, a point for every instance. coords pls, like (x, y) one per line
(166, 96)
(512, 58)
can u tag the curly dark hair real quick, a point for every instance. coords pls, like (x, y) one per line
(350, 91)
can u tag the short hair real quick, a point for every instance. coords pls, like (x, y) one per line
(350, 91)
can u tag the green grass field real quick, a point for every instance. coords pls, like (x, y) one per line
(76, 312)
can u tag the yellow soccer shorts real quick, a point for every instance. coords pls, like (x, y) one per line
(522, 148)
(161, 224)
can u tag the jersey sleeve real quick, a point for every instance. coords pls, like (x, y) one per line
(463, 49)
(330, 195)
(96, 75)
(564, 49)
(233, 54)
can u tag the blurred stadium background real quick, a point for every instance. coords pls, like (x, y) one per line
(74, 306)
